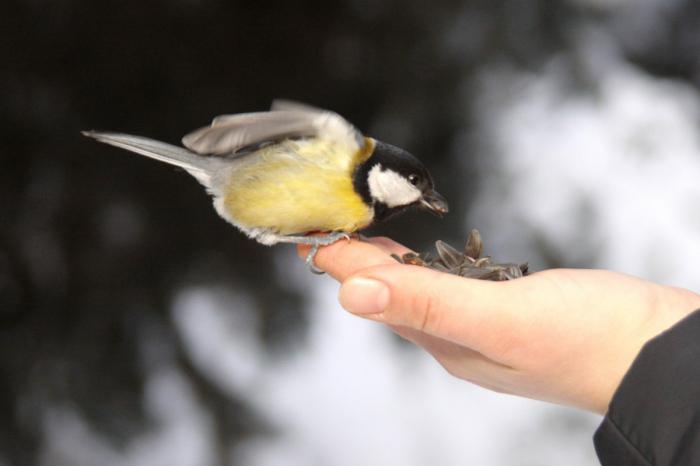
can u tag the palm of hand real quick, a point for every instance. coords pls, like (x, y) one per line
(566, 336)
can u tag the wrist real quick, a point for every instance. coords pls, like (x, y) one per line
(671, 305)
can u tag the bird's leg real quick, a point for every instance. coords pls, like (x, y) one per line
(315, 242)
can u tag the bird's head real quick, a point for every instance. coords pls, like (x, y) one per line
(392, 179)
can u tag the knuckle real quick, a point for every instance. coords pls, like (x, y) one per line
(326, 255)
(426, 315)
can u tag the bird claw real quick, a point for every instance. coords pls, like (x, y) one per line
(316, 242)
(310, 261)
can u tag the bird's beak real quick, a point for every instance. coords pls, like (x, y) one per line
(434, 202)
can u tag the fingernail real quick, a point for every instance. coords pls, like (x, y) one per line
(364, 296)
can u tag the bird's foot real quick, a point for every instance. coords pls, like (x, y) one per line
(316, 242)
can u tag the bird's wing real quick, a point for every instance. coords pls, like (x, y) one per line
(230, 133)
(284, 104)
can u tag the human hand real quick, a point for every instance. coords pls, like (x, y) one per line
(564, 336)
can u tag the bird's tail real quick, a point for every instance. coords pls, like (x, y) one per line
(200, 167)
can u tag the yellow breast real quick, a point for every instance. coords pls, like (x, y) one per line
(297, 187)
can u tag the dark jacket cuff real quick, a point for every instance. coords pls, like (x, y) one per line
(654, 416)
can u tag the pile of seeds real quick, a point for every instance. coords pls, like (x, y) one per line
(467, 263)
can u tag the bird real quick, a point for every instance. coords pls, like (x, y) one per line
(296, 169)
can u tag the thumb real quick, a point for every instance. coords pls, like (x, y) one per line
(462, 310)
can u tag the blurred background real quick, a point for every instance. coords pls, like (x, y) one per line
(138, 328)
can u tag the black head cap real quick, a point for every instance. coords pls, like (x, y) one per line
(394, 158)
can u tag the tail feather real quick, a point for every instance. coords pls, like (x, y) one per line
(196, 165)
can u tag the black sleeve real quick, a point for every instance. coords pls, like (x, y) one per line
(654, 416)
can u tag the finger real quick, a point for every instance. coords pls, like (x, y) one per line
(446, 351)
(389, 245)
(386, 244)
(459, 361)
(343, 258)
(478, 314)
(441, 349)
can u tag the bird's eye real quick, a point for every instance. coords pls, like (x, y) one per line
(413, 179)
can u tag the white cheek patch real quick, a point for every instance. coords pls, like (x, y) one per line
(390, 188)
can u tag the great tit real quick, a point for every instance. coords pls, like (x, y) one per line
(293, 170)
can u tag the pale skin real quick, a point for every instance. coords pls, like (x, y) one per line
(565, 336)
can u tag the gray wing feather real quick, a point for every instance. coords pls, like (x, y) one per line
(284, 104)
(329, 124)
(230, 133)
